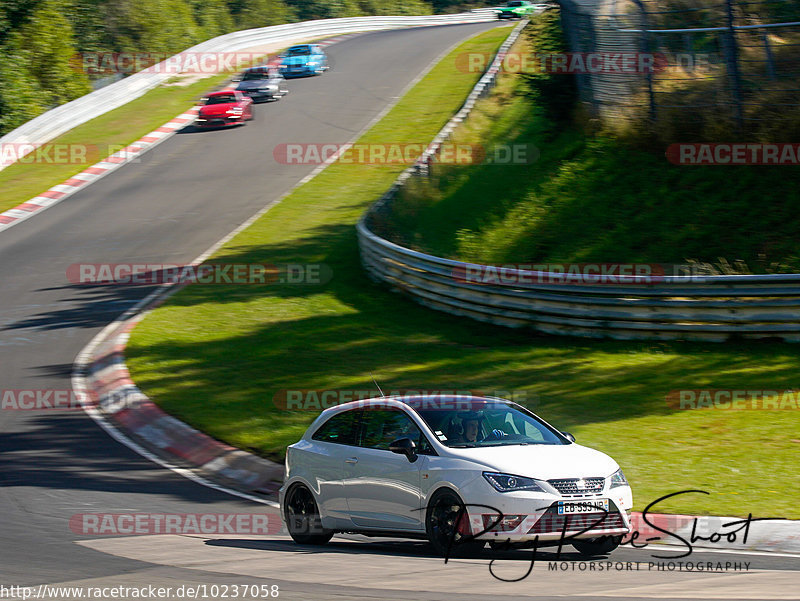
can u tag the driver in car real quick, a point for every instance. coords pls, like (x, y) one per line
(471, 425)
(471, 429)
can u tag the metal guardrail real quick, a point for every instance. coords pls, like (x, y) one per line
(694, 307)
(61, 119)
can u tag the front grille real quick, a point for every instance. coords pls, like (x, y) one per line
(569, 486)
(552, 522)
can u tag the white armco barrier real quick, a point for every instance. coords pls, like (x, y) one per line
(63, 118)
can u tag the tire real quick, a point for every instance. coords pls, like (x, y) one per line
(597, 546)
(302, 517)
(440, 521)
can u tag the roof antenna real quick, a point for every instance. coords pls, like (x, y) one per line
(376, 386)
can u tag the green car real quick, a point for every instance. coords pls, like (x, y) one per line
(516, 9)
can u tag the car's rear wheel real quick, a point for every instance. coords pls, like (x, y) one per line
(447, 526)
(597, 546)
(303, 519)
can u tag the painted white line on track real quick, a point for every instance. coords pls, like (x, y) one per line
(659, 547)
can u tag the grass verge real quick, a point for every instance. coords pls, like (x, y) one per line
(216, 356)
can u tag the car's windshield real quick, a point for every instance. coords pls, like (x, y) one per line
(299, 51)
(254, 75)
(515, 3)
(483, 423)
(221, 99)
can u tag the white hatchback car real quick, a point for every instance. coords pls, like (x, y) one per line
(459, 471)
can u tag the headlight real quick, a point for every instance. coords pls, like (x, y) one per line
(618, 479)
(508, 483)
(236, 111)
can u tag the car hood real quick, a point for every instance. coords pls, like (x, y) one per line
(253, 84)
(543, 462)
(216, 109)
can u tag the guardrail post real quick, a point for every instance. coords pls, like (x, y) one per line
(645, 48)
(732, 62)
(769, 56)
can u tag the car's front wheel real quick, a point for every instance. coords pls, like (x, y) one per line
(447, 526)
(597, 546)
(303, 519)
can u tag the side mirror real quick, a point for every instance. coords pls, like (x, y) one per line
(568, 436)
(404, 446)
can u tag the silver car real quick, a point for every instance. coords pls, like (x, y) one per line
(262, 84)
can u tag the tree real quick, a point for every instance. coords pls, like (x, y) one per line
(21, 98)
(325, 9)
(249, 14)
(393, 7)
(48, 47)
(212, 17)
(152, 25)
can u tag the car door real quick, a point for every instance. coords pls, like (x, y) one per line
(332, 443)
(383, 488)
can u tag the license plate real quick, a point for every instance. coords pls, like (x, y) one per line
(594, 506)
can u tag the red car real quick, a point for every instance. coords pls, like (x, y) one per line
(227, 107)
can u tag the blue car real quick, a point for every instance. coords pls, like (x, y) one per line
(304, 59)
